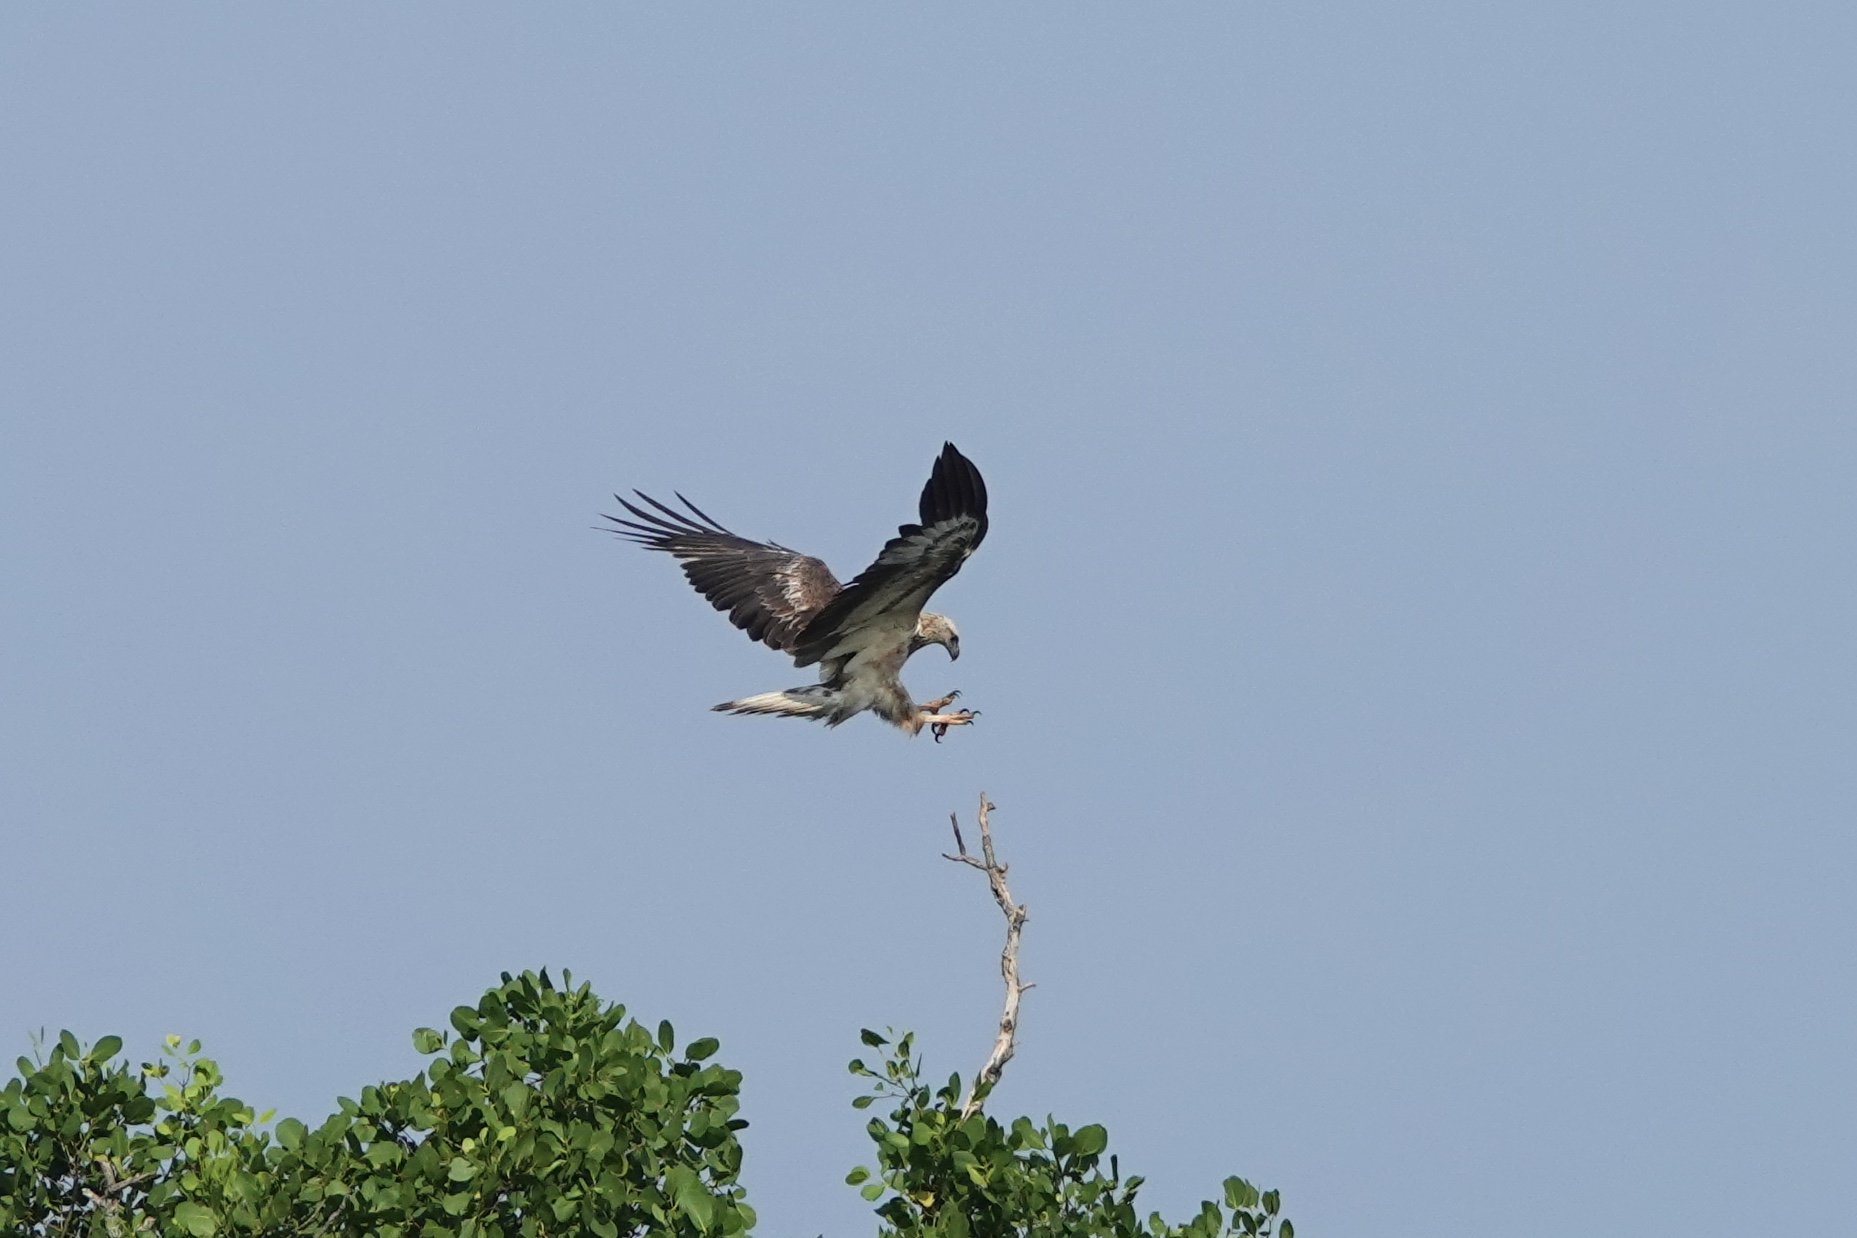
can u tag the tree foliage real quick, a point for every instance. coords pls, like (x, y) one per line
(543, 1111)
(547, 1113)
(945, 1173)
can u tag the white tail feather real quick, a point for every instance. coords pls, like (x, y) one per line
(812, 702)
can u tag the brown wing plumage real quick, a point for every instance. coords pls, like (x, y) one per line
(913, 564)
(767, 590)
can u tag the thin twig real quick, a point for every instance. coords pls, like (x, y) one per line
(1016, 915)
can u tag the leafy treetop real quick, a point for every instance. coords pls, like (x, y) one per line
(543, 1111)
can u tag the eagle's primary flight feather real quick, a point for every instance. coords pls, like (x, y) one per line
(858, 634)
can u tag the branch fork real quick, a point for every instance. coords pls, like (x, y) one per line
(1015, 913)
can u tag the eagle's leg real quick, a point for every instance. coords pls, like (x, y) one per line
(939, 703)
(938, 724)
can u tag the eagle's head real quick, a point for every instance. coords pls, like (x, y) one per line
(933, 629)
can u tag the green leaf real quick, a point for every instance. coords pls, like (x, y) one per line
(863, 1102)
(106, 1048)
(872, 1039)
(691, 1198)
(466, 1020)
(700, 1049)
(1240, 1194)
(860, 1174)
(460, 1170)
(197, 1220)
(428, 1040)
(1090, 1140)
(872, 1191)
(667, 1037)
(290, 1133)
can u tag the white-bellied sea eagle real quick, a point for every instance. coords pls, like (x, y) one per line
(859, 634)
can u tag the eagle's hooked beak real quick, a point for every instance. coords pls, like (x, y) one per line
(954, 649)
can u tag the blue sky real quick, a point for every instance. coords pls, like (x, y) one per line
(1414, 637)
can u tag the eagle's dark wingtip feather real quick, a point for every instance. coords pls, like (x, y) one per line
(654, 531)
(955, 488)
(711, 520)
(682, 522)
(647, 529)
(666, 523)
(638, 511)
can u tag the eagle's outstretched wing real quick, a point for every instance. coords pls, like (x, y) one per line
(915, 563)
(768, 591)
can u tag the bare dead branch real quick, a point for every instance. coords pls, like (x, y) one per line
(1016, 915)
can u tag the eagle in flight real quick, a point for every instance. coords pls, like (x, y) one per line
(858, 634)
